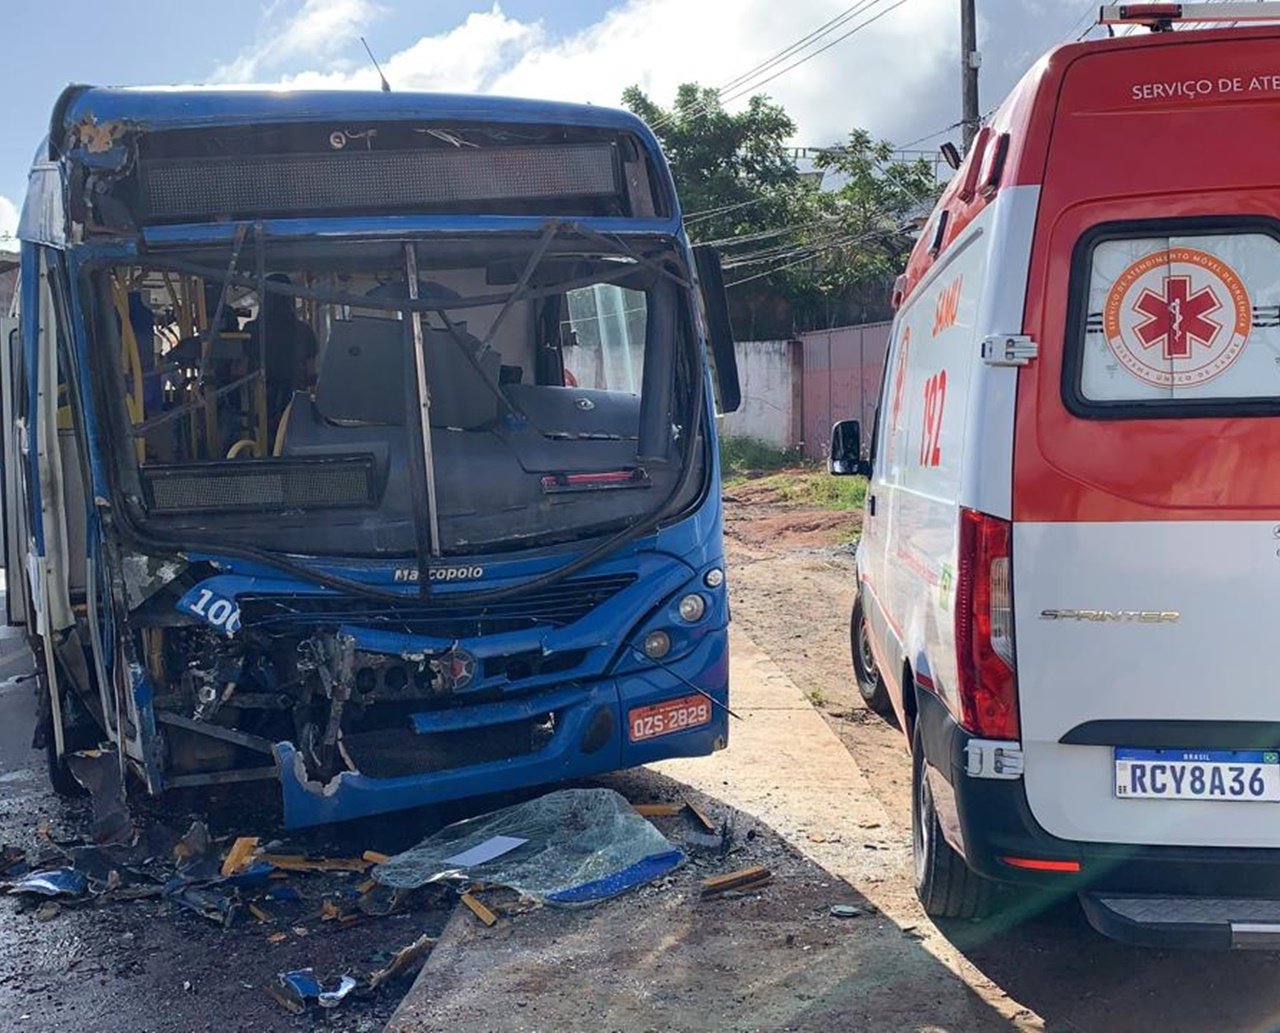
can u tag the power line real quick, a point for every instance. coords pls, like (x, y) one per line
(762, 235)
(1081, 26)
(844, 242)
(826, 27)
(707, 213)
(798, 45)
(821, 50)
(780, 251)
(724, 95)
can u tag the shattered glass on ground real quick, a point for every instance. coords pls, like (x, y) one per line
(583, 845)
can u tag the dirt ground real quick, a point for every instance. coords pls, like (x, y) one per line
(791, 589)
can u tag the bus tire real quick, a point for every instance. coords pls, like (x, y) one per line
(945, 884)
(871, 686)
(60, 777)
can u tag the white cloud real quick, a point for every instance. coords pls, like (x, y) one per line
(898, 76)
(8, 221)
(466, 59)
(318, 29)
(880, 77)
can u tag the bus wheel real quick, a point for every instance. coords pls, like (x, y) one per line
(945, 884)
(60, 777)
(871, 685)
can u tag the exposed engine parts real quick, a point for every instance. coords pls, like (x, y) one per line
(311, 687)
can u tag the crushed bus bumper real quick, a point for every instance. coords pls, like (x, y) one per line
(590, 735)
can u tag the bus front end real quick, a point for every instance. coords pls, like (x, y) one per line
(385, 459)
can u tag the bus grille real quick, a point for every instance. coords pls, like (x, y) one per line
(555, 606)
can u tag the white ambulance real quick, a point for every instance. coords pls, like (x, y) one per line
(1069, 575)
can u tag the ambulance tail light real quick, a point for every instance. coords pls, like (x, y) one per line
(988, 688)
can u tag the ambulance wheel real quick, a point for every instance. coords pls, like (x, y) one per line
(945, 884)
(871, 686)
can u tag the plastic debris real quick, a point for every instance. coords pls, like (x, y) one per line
(54, 882)
(217, 907)
(845, 911)
(333, 998)
(302, 985)
(584, 845)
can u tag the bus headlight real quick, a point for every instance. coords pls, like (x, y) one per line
(713, 578)
(657, 644)
(692, 607)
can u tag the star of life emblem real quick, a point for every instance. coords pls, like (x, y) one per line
(1177, 317)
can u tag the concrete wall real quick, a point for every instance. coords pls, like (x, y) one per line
(771, 376)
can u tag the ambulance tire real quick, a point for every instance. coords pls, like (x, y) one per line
(871, 686)
(945, 884)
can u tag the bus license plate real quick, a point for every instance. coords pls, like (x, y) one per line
(1251, 776)
(673, 715)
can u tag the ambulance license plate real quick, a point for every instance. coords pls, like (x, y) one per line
(673, 715)
(1250, 776)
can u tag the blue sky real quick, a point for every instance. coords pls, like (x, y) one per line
(586, 50)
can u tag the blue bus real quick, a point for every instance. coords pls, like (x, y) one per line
(364, 443)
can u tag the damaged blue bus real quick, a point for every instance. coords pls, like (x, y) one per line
(363, 443)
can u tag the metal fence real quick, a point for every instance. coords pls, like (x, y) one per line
(842, 369)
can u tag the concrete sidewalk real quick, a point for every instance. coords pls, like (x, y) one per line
(785, 767)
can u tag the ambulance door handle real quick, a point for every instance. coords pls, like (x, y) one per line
(871, 505)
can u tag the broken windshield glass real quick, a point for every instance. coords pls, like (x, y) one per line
(269, 395)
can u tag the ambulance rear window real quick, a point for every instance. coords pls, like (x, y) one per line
(1176, 323)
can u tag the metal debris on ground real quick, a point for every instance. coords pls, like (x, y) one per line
(743, 881)
(583, 846)
(55, 882)
(100, 774)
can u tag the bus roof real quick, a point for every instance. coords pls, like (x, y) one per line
(160, 108)
(143, 136)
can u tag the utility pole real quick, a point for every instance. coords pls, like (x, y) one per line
(970, 59)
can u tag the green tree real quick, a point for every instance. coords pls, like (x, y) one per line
(733, 171)
(871, 200)
(801, 256)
